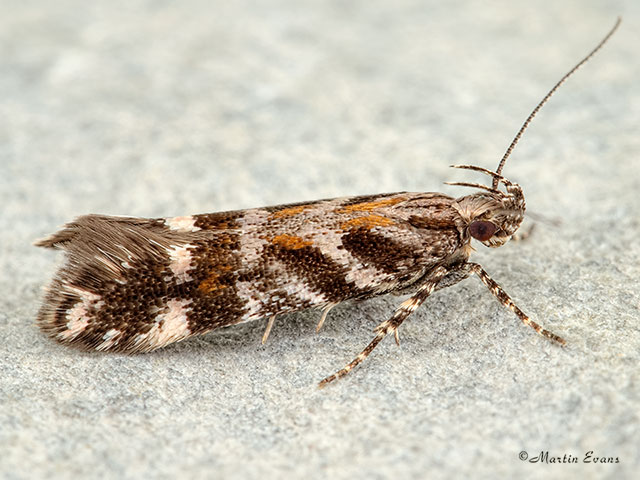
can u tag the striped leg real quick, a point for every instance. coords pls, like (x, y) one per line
(503, 298)
(391, 326)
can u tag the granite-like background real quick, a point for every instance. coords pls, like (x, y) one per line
(157, 108)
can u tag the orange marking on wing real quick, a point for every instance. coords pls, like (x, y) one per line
(288, 212)
(291, 242)
(367, 222)
(368, 206)
(212, 282)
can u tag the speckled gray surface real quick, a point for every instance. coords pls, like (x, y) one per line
(162, 108)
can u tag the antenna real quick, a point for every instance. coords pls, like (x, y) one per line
(547, 97)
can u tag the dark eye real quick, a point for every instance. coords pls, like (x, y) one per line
(481, 230)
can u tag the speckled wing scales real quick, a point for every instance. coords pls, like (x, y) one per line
(134, 285)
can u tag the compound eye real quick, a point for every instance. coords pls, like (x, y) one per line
(481, 230)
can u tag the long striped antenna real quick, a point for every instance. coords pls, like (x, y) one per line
(547, 97)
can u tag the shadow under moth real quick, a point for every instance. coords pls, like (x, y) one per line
(135, 284)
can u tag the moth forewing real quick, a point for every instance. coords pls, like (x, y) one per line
(134, 285)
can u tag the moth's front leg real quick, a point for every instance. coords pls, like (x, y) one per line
(391, 326)
(505, 299)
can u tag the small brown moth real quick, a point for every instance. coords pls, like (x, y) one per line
(134, 284)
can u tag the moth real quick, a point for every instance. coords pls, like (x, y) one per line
(135, 284)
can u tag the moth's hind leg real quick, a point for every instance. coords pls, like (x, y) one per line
(391, 326)
(267, 330)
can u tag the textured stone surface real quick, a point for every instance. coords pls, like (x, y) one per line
(162, 109)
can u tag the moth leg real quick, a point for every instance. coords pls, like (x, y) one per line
(396, 335)
(324, 315)
(391, 326)
(266, 333)
(520, 236)
(504, 298)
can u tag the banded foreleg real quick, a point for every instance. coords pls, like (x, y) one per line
(505, 299)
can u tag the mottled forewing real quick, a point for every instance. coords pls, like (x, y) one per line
(137, 284)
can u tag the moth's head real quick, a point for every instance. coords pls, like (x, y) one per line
(492, 215)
